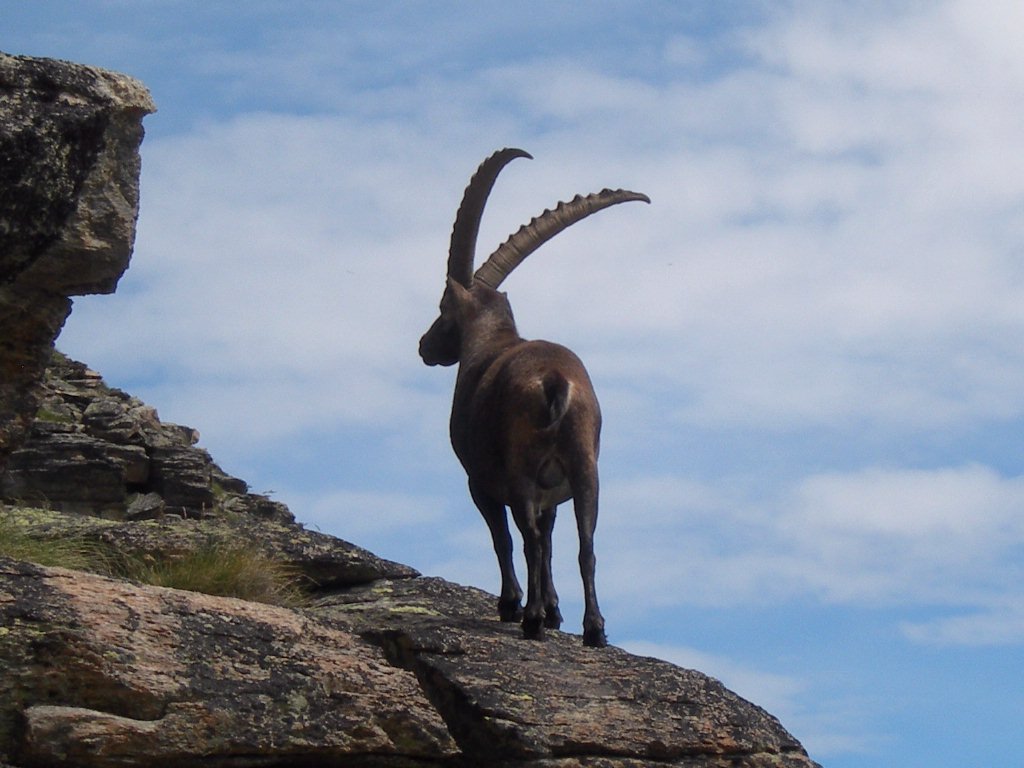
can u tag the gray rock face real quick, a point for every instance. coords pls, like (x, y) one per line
(69, 138)
(97, 450)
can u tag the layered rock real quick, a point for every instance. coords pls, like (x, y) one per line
(393, 672)
(97, 450)
(69, 161)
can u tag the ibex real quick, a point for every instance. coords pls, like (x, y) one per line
(525, 421)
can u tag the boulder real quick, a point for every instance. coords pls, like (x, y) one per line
(100, 672)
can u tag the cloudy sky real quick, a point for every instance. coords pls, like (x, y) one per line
(808, 348)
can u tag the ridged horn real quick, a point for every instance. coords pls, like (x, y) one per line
(532, 236)
(471, 209)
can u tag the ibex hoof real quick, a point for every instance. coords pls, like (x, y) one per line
(510, 610)
(595, 638)
(533, 629)
(553, 618)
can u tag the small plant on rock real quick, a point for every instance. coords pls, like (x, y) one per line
(228, 570)
(18, 542)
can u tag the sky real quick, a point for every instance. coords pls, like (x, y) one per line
(807, 348)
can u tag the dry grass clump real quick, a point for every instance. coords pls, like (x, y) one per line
(228, 570)
(72, 551)
(218, 567)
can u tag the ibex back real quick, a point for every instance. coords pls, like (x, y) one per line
(525, 420)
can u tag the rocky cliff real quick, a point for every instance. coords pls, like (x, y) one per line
(371, 664)
(69, 165)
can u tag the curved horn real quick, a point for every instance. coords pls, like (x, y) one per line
(532, 236)
(471, 209)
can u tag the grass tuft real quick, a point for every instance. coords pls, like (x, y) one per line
(221, 568)
(228, 570)
(72, 551)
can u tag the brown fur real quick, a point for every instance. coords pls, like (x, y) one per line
(526, 425)
(525, 420)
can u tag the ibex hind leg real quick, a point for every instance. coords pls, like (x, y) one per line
(585, 503)
(510, 602)
(528, 519)
(552, 615)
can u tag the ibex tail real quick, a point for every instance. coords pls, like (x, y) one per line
(556, 393)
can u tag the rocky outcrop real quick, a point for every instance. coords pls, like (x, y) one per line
(510, 701)
(376, 666)
(69, 138)
(383, 667)
(97, 450)
(102, 672)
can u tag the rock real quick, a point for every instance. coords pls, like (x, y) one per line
(74, 472)
(30, 320)
(99, 672)
(104, 673)
(111, 421)
(71, 165)
(69, 138)
(146, 506)
(554, 702)
(182, 476)
(326, 562)
(94, 449)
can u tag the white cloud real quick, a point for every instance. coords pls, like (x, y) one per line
(832, 238)
(945, 536)
(949, 538)
(368, 513)
(999, 624)
(959, 505)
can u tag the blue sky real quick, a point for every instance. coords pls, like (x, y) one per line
(808, 348)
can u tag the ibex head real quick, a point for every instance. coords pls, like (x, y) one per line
(441, 344)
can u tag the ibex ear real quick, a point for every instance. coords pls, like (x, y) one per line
(458, 291)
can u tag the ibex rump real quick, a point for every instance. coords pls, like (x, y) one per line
(525, 421)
